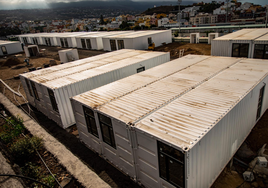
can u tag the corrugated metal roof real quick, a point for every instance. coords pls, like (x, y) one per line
(80, 62)
(3, 42)
(138, 104)
(100, 34)
(184, 121)
(106, 93)
(137, 34)
(244, 34)
(222, 27)
(119, 61)
(263, 38)
(85, 67)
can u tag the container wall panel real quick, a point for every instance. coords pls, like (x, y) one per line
(29, 97)
(147, 160)
(106, 44)
(62, 98)
(220, 48)
(212, 153)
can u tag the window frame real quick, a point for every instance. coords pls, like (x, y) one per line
(61, 42)
(260, 102)
(83, 43)
(66, 43)
(110, 128)
(113, 45)
(167, 158)
(239, 49)
(88, 43)
(4, 50)
(264, 47)
(53, 100)
(88, 117)
(120, 44)
(140, 69)
(28, 86)
(36, 96)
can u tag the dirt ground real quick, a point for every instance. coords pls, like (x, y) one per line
(230, 177)
(175, 47)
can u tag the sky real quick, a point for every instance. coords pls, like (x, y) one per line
(16, 4)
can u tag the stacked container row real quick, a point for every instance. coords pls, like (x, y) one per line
(107, 118)
(49, 90)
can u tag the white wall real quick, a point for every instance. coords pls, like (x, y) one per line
(12, 48)
(212, 153)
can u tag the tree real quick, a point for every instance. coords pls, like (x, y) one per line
(77, 29)
(101, 20)
(124, 25)
(87, 29)
(137, 27)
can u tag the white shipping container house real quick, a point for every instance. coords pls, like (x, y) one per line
(68, 40)
(138, 40)
(68, 55)
(194, 38)
(31, 50)
(55, 89)
(249, 43)
(105, 116)
(9, 47)
(94, 42)
(212, 36)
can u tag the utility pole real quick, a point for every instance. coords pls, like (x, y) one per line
(227, 10)
(179, 13)
(266, 16)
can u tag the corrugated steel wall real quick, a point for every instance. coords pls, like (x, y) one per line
(63, 94)
(212, 153)
(220, 48)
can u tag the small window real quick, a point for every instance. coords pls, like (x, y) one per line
(28, 86)
(88, 44)
(260, 103)
(240, 50)
(35, 41)
(140, 69)
(261, 51)
(113, 45)
(34, 90)
(120, 44)
(66, 43)
(53, 100)
(90, 121)
(83, 43)
(107, 130)
(4, 50)
(150, 40)
(24, 40)
(61, 42)
(171, 165)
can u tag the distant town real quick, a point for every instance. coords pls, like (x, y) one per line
(110, 19)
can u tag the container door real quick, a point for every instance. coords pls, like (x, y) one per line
(88, 44)
(83, 43)
(113, 45)
(4, 50)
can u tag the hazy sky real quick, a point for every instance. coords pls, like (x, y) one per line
(16, 4)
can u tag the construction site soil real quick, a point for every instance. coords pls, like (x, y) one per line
(231, 176)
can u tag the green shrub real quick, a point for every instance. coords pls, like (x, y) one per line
(12, 129)
(31, 170)
(49, 180)
(24, 148)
